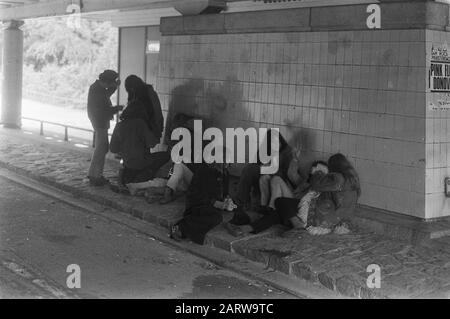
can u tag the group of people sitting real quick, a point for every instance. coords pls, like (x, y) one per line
(321, 202)
(320, 198)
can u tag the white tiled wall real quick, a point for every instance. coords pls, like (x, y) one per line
(437, 139)
(361, 93)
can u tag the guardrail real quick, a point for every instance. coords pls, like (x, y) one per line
(65, 126)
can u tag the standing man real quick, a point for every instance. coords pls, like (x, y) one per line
(100, 113)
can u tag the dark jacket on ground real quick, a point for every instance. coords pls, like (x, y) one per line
(205, 187)
(100, 109)
(200, 215)
(132, 140)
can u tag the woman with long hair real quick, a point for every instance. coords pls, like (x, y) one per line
(339, 192)
(138, 99)
(142, 96)
(135, 135)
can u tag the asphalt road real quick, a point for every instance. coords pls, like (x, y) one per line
(40, 237)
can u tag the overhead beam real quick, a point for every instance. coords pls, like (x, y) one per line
(15, 2)
(59, 7)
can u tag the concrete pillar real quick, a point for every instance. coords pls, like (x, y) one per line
(12, 74)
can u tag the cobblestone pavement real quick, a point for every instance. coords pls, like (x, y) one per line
(336, 262)
(40, 236)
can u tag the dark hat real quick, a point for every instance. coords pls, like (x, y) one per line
(109, 76)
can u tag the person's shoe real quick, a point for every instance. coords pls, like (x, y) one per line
(318, 231)
(297, 223)
(135, 190)
(293, 233)
(233, 230)
(132, 189)
(119, 189)
(342, 229)
(105, 180)
(175, 233)
(240, 217)
(98, 181)
(264, 210)
(168, 197)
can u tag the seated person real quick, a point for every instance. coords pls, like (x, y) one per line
(282, 216)
(296, 210)
(333, 200)
(285, 183)
(203, 204)
(319, 169)
(181, 173)
(249, 183)
(132, 140)
(340, 190)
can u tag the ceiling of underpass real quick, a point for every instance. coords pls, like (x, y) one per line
(137, 12)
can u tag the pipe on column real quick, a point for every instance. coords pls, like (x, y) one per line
(11, 108)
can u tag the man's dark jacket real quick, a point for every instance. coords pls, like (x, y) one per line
(100, 109)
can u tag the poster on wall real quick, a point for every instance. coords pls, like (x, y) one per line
(153, 47)
(439, 78)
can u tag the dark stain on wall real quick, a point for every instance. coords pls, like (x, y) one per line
(183, 100)
(218, 103)
(388, 57)
(335, 44)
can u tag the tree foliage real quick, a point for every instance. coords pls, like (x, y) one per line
(60, 62)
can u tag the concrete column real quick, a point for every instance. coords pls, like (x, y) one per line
(12, 74)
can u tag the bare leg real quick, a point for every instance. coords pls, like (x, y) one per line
(264, 186)
(179, 181)
(278, 189)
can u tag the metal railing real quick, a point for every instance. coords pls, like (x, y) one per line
(65, 126)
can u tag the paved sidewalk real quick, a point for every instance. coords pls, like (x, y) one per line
(336, 262)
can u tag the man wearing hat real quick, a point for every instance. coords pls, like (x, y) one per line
(100, 113)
